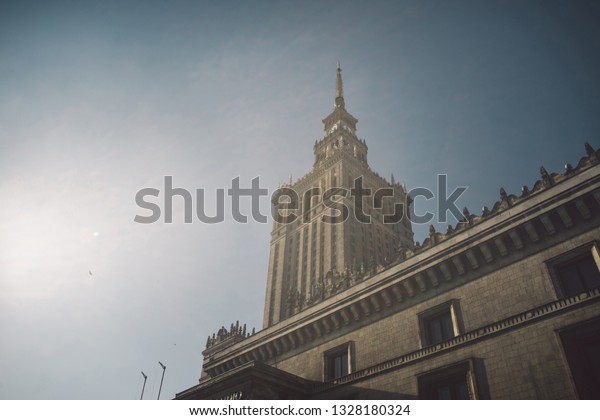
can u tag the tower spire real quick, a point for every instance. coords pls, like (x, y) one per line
(339, 90)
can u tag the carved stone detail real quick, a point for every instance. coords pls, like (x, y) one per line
(365, 307)
(472, 259)
(487, 252)
(458, 265)
(499, 242)
(564, 216)
(516, 238)
(583, 209)
(387, 300)
(433, 277)
(420, 282)
(397, 293)
(548, 225)
(375, 303)
(531, 232)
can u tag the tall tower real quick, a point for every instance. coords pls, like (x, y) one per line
(312, 257)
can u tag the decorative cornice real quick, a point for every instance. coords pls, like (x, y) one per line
(488, 331)
(226, 337)
(508, 201)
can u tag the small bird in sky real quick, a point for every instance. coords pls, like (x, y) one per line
(90, 272)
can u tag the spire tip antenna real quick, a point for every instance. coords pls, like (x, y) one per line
(339, 90)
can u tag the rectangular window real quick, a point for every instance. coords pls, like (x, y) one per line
(576, 271)
(455, 382)
(439, 323)
(339, 365)
(338, 362)
(579, 275)
(454, 389)
(581, 344)
(439, 328)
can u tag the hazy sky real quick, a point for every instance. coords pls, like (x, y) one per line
(101, 99)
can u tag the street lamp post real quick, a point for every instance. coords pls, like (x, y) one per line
(161, 379)
(143, 387)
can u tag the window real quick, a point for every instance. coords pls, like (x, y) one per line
(439, 324)
(576, 271)
(439, 328)
(454, 389)
(455, 382)
(338, 362)
(581, 345)
(339, 365)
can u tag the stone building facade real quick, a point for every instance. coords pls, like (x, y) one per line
(504, 305)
